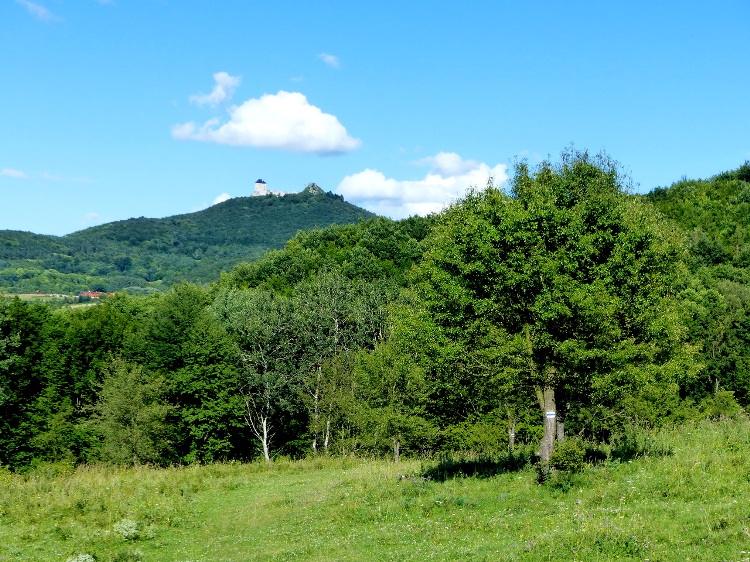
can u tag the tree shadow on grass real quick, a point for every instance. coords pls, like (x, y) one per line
(483, 466)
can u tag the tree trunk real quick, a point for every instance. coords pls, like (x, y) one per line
(316, 409)
(266, 439)
(546, 398)
(511, 431)
(260, 424)
(396, 450)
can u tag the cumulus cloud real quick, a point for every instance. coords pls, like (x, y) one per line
(223, 90)
(221, 198)
(330, 60)
(285, 120)
(38, 11)
(8, 172)
(449, 178)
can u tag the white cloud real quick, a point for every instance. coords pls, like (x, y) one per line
(221, 198)
(89, 217)
(285, 120)
(38, 11)
(331, 60)
(447, 164)
(223, 90)
(449, 178)
(13, 173)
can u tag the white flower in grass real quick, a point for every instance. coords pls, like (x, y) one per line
(81, 558)
(127, 529)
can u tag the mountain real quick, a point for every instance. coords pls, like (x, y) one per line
(144, 254)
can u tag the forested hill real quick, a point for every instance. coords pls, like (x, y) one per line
(715, 215)
(143, 253)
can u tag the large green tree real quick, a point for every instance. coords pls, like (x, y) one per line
(565, 281)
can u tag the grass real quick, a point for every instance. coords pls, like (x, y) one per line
(690, 505)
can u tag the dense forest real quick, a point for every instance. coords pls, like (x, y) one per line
(561, 310)
(145, 255)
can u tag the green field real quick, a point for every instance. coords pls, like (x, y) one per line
(687, 505)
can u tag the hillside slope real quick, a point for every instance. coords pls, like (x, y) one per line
(142, 252)
(715, 214)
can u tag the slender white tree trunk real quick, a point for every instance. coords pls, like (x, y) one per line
(257, 417)
(265, 440)
(316, 408)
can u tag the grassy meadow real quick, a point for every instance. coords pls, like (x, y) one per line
(691, 504)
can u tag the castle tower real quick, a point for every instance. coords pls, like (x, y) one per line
(260, 188)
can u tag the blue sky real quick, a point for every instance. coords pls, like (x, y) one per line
(126, 108)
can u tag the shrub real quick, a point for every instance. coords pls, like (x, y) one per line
(568, 456)
(719, 405)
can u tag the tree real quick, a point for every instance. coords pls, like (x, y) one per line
(565, 279)
(263, 326)
(392, 395)
(333, 315)
(130, 416)
(206, 391)
(22, 339)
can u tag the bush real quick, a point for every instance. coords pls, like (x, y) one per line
(720, 405)
(479, 438)
(568, 456)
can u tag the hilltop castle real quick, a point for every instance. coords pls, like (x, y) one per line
(261, 190)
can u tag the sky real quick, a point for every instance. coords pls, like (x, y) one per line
(112, 109)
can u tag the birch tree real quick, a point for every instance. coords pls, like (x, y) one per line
(264, 328)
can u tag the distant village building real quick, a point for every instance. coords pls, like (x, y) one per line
(261, 189)
(96, 294)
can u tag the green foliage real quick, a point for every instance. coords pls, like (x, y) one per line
(635, 442)
(476, 437)
(392, 395)
(716, 213)
(22, 342)
(372, 249)
(563, 284)
(140, 253)
(427, 336)
(720, 405)
(130, 416)
(569, 456)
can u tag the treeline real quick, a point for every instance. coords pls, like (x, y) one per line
(565, 306)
